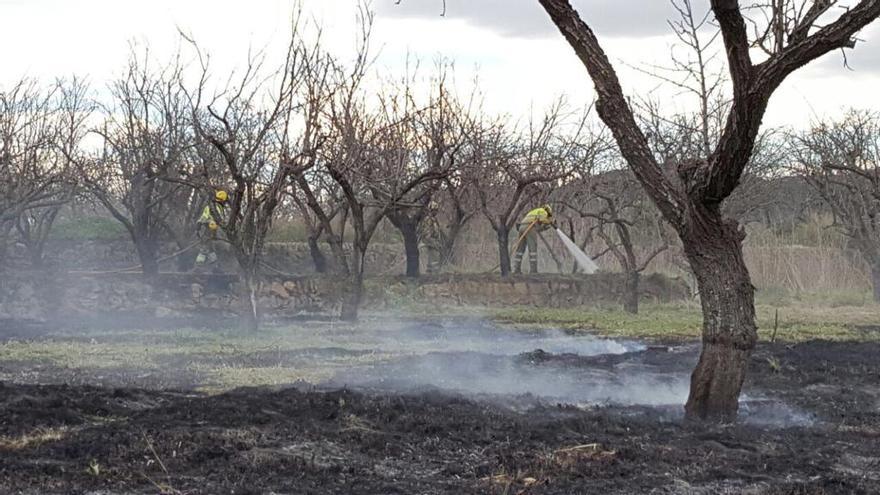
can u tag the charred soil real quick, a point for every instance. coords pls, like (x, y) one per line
(86, 439)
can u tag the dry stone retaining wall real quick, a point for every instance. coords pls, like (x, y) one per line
(59, 296)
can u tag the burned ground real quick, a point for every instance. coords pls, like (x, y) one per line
(809, 426)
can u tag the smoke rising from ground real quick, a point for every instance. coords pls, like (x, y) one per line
(471, 357)
(480, 359)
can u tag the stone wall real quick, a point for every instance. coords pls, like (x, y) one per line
(48, 296)
(289, 257)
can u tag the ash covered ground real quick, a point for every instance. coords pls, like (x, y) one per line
(415, 406)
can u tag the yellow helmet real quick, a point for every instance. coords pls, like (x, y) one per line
(213, 225)
(220, 196)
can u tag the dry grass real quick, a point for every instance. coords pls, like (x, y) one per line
(34, 438)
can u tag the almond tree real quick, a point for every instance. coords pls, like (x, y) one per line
(459, 204)
(621, 213)
(790, 39)
(370, 163)
(319, 203)
(432, 137)
(263, 130)
(37, 125)
(517, 169)
(841, 162)
(146, 140)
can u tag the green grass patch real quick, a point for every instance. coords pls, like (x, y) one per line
(652, 322)
(782, 297)
(796, 322)
(88, 228)
(287, 231)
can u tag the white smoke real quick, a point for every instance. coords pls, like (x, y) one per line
(479, 359)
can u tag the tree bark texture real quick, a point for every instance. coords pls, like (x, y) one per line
(713, 247)
(354, 290)
(148, 254)
(504, 249)
(318, 258)
(410, 235)
(631, 292)
(250, 317)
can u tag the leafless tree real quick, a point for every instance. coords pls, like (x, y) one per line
(263, 130)
(369, 163)
(841, 162)
(518, 169)
(319, 202)
(459, 202)
(629, 226)
(37, 125)
(713, 243)
(71, 112)
(695, 73)
(147, 138)
(434, 136)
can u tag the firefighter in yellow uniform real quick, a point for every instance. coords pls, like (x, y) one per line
(530, 226)
(207, 228)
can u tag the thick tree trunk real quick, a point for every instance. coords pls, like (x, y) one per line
(250, 316)
(351, 299)
(318, 258)
(447, 254)
(875, 279)
(340, 265)
(714, 249)
(631, 292)
(408, 226)
(504, 250)
(148, 255)
(411, 247)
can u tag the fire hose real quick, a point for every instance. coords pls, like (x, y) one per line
(138, 266)
(516, 244)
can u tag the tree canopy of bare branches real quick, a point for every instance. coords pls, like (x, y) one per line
(841, 161)
(38, 128)
(263, 130)
(713, 243)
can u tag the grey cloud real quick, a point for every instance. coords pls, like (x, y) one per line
(526, 18)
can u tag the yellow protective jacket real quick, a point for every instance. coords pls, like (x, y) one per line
(540, 215)
(207, 217)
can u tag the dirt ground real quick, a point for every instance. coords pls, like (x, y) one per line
(810, 425)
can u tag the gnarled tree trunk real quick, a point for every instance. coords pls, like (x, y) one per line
(504, 249)
(713, 246)
(411, 248)
(250, 317)
(407, 223)
(318, 258)
(354, 290)
(148, 254)
(631, 292)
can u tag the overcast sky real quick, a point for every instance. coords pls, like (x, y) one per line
(522, 61)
